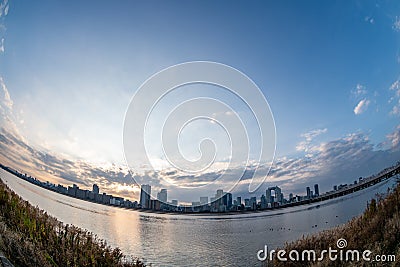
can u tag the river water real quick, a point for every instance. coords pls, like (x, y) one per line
(196, 240)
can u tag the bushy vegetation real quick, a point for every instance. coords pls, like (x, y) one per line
(377, 230)
(30, 237)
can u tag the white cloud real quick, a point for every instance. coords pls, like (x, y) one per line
(396, 109)
(394, 138)
(2, 45)
(369, 19)
(4, 8)
(396, 24)
(360, 90)
(309, 136)
(396, 88)
(333, 162)
(362, 106)
(5, 97)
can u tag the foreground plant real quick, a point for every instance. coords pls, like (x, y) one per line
(31, 237)
(376, 230)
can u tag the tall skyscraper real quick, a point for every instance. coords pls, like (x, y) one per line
(308, 192)
(316, 190)
(268, 195)
(278, 195)
(227, 200)
(253, 203)
(145, 192)
(162, 195)
(218, 198)
(96, 189)
(263, 202)
(239, 201)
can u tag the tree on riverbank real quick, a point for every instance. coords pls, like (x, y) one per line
(31, 237)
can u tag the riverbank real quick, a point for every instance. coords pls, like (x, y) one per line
(376, 230)
(31, 237)
(363, 183)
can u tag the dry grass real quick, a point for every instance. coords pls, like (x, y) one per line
(30, 237)
(377, 229)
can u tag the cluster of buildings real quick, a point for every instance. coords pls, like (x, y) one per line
(93, 195)
(74, 191)
(342, 186)
(222, 201)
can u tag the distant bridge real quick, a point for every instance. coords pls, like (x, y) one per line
(365, 183)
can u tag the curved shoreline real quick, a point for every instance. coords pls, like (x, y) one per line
(372, 180)
(29, 236)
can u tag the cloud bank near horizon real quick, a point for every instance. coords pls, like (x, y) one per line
(327, 163)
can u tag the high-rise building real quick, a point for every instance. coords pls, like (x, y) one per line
(219, 202)
(268, 195)
(239, 201)
(278, 195)
(227, 200)
(145, 192)
(308, 192)
(316, 190)
(263, 202)
(162, 196)
(96, 189)
(253, 203)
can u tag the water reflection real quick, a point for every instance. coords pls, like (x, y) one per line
(193, 240)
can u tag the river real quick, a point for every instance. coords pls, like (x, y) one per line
(196, 240)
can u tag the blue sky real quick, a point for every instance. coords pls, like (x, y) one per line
(327, 68)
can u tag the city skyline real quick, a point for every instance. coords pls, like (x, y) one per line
(328, 71)
(221, 202)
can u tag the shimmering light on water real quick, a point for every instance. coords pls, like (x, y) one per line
(195, 240)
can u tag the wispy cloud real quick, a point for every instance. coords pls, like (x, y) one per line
(396, 24)
(369, 19)
(360, 90)
(332, 162)
(395, 87)
(394, 139)
(5, 97)
(362, 106)
(4, 8)
(309, 136)
(2, 45)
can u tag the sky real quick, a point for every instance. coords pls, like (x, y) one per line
(329, 70)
